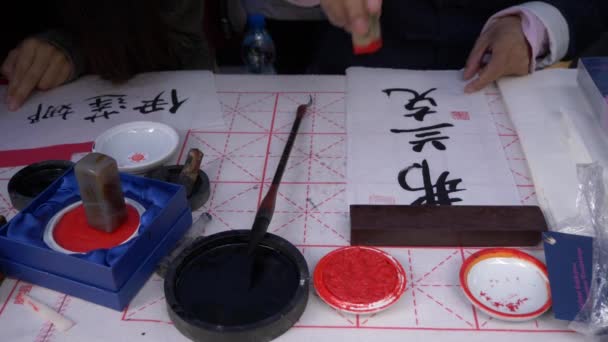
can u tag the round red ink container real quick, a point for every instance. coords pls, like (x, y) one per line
(68, 231)
(506, 284)
(360, 280)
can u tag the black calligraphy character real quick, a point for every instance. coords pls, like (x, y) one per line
(158, 103)
(151, 106)
(175, 101)
(51, 112)
(35, 117)
(422, 111)
(434, 194)
(103, 106)
(426, 137)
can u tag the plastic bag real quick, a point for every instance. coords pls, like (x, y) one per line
(590, 193)
(592, 320)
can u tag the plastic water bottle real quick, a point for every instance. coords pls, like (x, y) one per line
(258, 50)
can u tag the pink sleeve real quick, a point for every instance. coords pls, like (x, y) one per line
(534, 30)
(305, 3)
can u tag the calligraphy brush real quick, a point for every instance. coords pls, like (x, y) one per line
(266, 209)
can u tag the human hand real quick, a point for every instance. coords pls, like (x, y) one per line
(509, 49)
(33, 64)
(351, 15)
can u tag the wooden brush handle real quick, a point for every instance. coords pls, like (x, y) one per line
(268, 203)
(266, 209)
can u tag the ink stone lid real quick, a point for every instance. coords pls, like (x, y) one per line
(30, 181)
(359, 280)
(506, 284)
(200, 191)
(215, 293)
(138, 147)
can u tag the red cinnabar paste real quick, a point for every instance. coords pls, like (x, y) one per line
(360, 276)
(73, 233)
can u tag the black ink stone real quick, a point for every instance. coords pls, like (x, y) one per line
(30, 181)
(200, 191)
(211, 296)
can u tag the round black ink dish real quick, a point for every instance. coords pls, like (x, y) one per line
(215, 293)
(30, 181)
(200, 190)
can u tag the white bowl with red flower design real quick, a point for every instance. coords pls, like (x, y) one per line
(506, 284)
(138, 147)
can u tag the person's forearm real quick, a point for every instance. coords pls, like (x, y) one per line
(546, 31)
(585, 20)
(185, 22)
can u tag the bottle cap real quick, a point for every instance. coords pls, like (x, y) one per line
(256, 21)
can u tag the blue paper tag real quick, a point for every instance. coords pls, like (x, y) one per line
(569, 258)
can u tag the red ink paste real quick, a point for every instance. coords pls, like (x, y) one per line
(359, 279)
(360, 276)
(513, 307)
(72, 232)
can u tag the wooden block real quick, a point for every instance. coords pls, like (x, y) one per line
(467, 226)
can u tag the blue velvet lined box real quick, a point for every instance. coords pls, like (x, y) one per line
(107, 277)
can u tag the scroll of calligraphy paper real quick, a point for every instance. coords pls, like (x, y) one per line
(415, 138)
(79, 111)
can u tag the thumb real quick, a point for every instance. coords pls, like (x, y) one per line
(492, 72)
(474, 61)
(374, 6)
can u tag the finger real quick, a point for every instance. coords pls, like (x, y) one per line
(30, 79)
(493, 71)
(357, 17)
(374, 6)
(66, 73)
(54, 74)
(474, 62)
(335, 12)
(9, 63)
(24, 60)
(27, 51)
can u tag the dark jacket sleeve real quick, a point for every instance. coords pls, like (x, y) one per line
(185, 21)
(587, 19)
(65, 42)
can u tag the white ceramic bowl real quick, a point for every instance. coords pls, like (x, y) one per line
(138, 147)
(506, 284)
